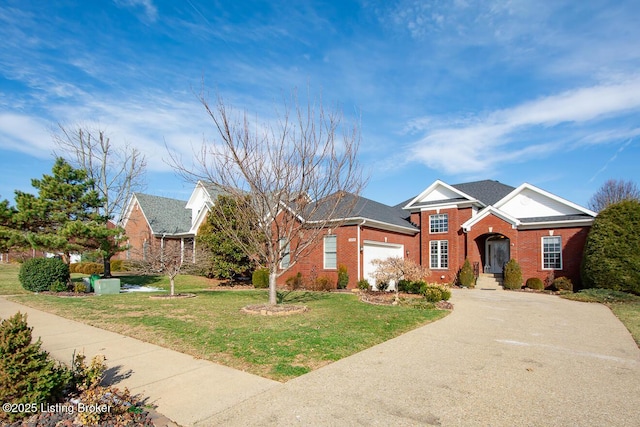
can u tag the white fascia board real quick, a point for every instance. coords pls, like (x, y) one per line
(443, 206)
(410, 205)
(374, 224)
(192, 199)
(489, 210)
(552, 196)
(127, 212)
(556, 224)
(202, 215)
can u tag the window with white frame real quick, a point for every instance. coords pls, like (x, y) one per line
(330, 252)
(552, 253)
(285, 254)
(439, 254)
(438, 223)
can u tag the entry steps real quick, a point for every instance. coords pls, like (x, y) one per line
(488, 281)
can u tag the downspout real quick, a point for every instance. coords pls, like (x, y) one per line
(359, 250)
(162, 248)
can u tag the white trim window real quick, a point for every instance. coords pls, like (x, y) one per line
(330, 252)
(285, 250)
(439, 223)
(439, 254)
(552, 253)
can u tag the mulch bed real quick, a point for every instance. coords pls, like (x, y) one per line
(275, 310)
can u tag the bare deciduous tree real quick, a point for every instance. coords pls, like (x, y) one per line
(613, 191)
(292, 177)
(165, 258)
(116, 172)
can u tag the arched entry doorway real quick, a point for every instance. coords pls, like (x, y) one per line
(497, 253)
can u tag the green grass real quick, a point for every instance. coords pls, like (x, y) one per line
(212, 326)
(625, 306)
(9, 284)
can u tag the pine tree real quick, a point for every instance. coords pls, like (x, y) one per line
(63, 217)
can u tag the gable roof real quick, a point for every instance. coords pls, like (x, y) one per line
(481, 193)
(165, 215)
(488, 192)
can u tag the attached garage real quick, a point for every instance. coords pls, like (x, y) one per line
(378, 250)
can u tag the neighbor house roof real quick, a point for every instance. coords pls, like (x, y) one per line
(165, 215)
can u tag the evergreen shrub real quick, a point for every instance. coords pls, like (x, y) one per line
(611, 257)
(363, 285)
(38, 274)
(535, 283)
(343, 277)
(512, 275)
(260, 278)
(466, 276)
(27, 374)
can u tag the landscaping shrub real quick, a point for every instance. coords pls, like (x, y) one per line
(38, 274)
(446, 293)
(92, 268)
(412, 287)
(512, 275)
(343, 277)
(611, 257)
(117, 265)
(260, 278)
(432, 293)
(363, 285)
(562, 284)
(322, 283)
(59, 286)
(27, 374)
(295, 282)
(466, 277)
(535, 283)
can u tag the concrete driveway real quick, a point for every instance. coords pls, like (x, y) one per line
(500, 359)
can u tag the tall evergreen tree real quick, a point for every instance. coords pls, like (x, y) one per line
(63, 217)
(220, 255)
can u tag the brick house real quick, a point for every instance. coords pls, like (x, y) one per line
(485, 221)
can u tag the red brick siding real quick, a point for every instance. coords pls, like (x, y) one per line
(455, 237)
(348, 253)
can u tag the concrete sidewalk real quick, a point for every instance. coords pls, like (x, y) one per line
(500, 359)
(184, 389)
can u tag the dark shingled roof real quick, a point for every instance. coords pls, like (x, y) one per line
(555, 218)
(352, 206)
(165, 215)
(488, 192)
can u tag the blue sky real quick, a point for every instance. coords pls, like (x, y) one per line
(545, 92)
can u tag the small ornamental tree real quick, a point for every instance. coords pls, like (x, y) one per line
(466, 276)
(512, 275)
(611, 257)
(393, 269)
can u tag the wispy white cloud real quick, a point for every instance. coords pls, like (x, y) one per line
(512, 134)
(150, 9)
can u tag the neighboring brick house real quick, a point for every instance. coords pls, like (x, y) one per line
(154, 222)
(485, 221)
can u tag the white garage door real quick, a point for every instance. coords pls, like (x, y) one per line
(378, 250)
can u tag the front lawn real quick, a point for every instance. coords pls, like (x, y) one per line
(625, 306)
(212, 326)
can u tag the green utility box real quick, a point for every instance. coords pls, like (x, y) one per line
(106, 286)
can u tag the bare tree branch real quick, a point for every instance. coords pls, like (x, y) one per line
(294, 176)
(613, 191)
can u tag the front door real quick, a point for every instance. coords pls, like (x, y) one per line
(497, 255)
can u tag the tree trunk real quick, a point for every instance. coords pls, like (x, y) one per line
(273, 300)
(173, 285)
(106, 260)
